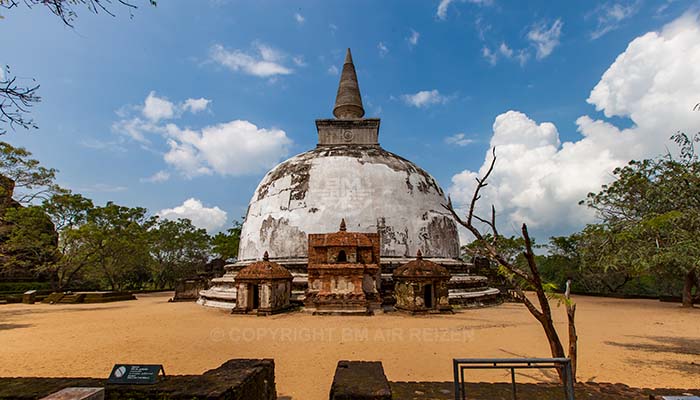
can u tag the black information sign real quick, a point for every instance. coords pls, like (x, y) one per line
(130, 374)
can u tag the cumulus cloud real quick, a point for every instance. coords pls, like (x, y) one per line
(544, 38)
(424, 98)
(232, 148)
(442, 6)
(266, 63)
(333, 70)
(158, 177)
(459, 139)
(539, 180)
(210, 218)
(196, 105)
(609, 16)
(299, 18)
(154, 110)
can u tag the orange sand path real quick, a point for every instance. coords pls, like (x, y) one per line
(641, 343)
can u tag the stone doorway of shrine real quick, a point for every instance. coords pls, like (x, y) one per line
(256, 296)
(428, 295)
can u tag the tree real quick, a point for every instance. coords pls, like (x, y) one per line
(30, 244)
(651, 213)
(583, 257)
(225, 245)
(27, 174)
(69, 212)
(117, 236)
(522, 278)
(17, 98)
(64, 9)
(179, 250)
(15, 101)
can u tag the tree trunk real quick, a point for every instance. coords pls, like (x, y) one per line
(690, 280)
(573, 337)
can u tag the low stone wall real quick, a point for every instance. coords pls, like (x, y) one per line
(539, 391)
(239, 379)
(188, 289)
(360, 380)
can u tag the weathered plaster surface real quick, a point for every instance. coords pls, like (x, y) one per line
(373, 189)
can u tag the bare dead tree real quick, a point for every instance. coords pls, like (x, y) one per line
(64, 9)
(17, 98)
(15, 101)
(571, 318)
(521, 279)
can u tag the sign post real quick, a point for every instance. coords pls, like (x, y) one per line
(129, 374)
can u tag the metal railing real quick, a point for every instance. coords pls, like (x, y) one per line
(561, 364)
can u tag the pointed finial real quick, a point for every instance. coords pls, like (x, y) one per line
(419, 255)
(348, 102)
(266, 257)
(343, 228)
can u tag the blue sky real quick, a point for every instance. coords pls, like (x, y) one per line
(438, 74)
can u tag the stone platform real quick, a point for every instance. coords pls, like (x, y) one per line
(87, 297)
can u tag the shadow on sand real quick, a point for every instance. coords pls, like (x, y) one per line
(668, 345)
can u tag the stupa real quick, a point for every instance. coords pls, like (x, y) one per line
(348, 176)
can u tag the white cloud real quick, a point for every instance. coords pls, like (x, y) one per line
(544, 38)
(156, 108)
(210, 218)
(267, 63)
(333, 70)
(442, 6)
(539, 180)
(232, 148)
(135, 128)
(299, 61)
(383, 50)
(505, 50)
(102, 188)
(459, 139)
(424, 98)
(158, 177)
(413, 38)
(196, 105)
(489, 55)
(609, 16)
(522, 56)
(299, 18)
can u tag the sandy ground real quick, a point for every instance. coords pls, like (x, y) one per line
(641, 343)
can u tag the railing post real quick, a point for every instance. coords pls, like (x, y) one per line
(569, 384)
(512, 381)
(456, 378)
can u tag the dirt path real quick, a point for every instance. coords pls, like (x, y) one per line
(641, 343)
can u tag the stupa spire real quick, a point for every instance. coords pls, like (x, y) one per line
(343, 228)
(348, 102)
